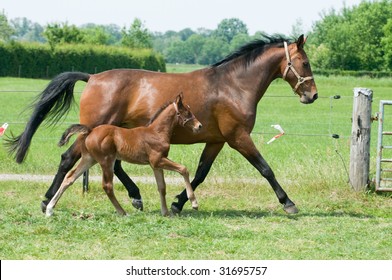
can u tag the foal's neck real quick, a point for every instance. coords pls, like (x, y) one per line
(166, 121)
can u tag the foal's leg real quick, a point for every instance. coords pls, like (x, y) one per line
(167, 164)
(210, 152)
(247, 148)
(70, 178)
(133, 190)
(107, 184)
(68, 160)
(162, 190)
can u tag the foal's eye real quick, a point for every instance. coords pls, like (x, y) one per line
(306, 64)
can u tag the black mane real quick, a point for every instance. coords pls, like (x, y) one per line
(253, 49)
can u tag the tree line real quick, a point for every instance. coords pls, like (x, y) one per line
(353, 38)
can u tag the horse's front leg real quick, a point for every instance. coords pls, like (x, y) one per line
(167, 164)
(133, 190)
(210, 152)
(244, 144)
(68, 160)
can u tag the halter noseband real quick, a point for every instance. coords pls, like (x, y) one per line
(289, 66)
(182, 120)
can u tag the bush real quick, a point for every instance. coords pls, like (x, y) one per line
(39, 61)
(352, 73)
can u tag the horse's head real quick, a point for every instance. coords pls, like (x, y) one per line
(185, 116)
(297, 72)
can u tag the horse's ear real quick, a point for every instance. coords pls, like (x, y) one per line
(301, 41)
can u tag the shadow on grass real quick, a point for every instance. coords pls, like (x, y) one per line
(235, 214)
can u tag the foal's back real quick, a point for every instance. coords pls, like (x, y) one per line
(135, 145)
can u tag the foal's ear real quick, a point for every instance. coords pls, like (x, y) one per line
(179, 98)
(301, 41)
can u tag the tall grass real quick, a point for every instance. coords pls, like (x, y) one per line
(239, 217)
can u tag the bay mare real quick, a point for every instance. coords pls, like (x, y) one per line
(148, 144)
(223, 97)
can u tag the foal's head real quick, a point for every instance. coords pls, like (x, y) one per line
(185, 117)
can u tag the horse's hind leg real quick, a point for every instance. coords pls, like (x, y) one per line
(68, 160)
(162, 190)
(69, 179)
(210, 152)
(107, 184)
(133, 190)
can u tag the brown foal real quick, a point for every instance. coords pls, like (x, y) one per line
(142, 145)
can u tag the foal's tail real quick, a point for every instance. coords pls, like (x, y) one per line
(53, 103)
(73, 129)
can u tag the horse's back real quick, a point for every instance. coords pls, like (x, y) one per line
(130, 97)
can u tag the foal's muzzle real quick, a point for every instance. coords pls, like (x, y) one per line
(197, 127)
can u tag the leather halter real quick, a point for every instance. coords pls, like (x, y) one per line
(182, 120)
(290, 66)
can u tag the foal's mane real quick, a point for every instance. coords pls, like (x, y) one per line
(253, 49)
(155, 116)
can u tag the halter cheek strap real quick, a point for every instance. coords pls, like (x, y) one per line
(290, 66)
(182, 120)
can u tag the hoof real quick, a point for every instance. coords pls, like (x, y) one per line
(43, 205)
(138, 204)
(175, 209)
(196, 208)
(292, 209)
(49, 213)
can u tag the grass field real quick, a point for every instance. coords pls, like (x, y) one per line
(239, 216)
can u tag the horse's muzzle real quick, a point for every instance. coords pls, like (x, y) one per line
(308, 98)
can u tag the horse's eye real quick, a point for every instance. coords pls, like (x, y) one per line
(306, 64)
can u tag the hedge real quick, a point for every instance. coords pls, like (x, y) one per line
(352, 73)
(39, 61)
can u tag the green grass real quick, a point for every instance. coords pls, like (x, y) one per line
(237, 219)
(333, 224)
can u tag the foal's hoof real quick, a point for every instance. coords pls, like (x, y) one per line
(138, 204)
(195, 208)
(175, 210)
(44, 203)
(292, 209)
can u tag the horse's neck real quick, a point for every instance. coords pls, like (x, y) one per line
(164, 124)
(256, 77)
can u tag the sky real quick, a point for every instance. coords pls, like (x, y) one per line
(272, 16)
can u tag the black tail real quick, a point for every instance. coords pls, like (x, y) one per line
(53, 103)
(73, 129)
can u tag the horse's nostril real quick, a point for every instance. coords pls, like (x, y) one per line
(315, 96)
(200, 126)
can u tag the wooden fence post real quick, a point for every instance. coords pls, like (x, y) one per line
(360, 139)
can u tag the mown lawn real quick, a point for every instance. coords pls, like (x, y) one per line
(239, 216)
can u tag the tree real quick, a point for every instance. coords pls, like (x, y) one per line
(297, 29)
(214, 50)
(238, 41)
(352, 38)
(5, 29)
(178, 52)
(229, 28)
(387, 44)
(26, 30)
(63, 33)
(137, 37)
(186, 33)
(195, 45)
(96, 35)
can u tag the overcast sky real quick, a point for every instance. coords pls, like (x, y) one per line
(272, 16)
